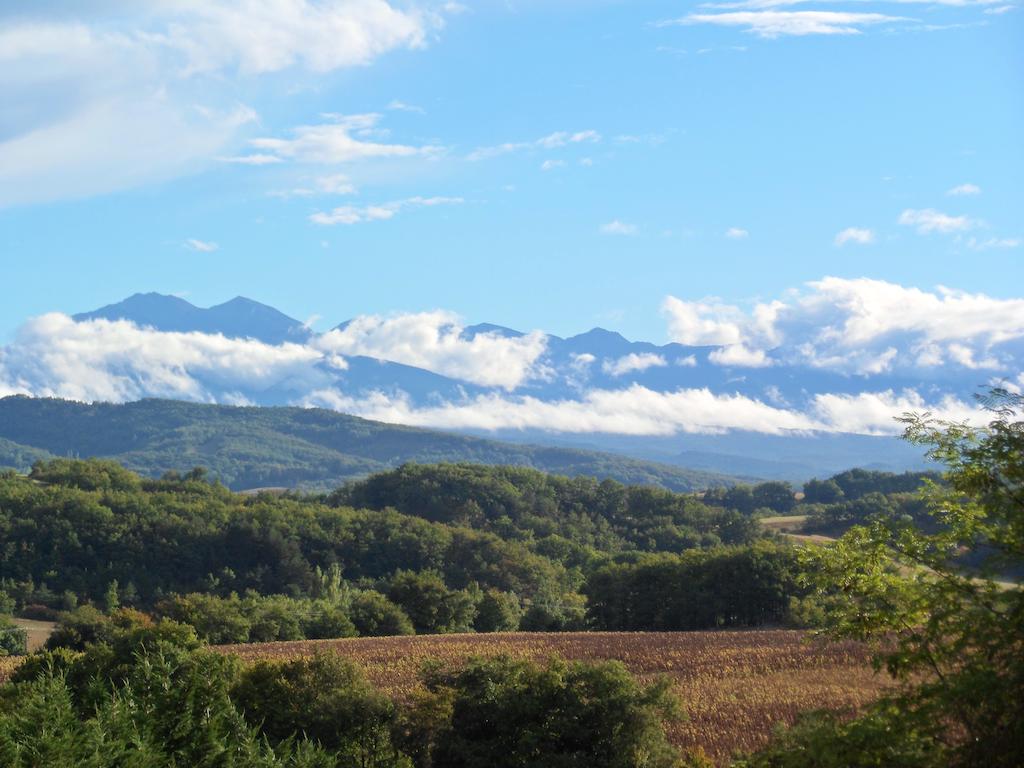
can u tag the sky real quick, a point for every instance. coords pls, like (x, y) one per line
(552, 165)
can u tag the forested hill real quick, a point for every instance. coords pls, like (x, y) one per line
(253, 447)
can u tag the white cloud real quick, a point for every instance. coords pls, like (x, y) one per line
(855, 235)
(100, 99)
(690, 361)
(736, 233)
(633, 363)
(200, 245)
(698, 323)
(637, 410)
(401, 106)
(434, 341)
(340, 141)
(772, 24)
(53, 356)
(767, 4)
(994, 242)
(861, 326)
(928, 220)
(873, 413)
(252, 159)
(555, 140)
(260, 36)
(549, 165)
(740, 356)
(617, 227)
(334, 184)
(964, 189)
(118, 361)
(351, 214)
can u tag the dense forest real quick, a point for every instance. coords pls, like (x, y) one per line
(145, 571)
(419, 549)
(307, 448)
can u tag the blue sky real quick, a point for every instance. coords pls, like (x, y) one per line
(553, 165)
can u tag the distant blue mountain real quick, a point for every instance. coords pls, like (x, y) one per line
(239, 318)
(598, 359)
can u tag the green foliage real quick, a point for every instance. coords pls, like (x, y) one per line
(13, 639)
(172, 709)
(498, 612)
(179, 536)
(883, 738)
(324, 698)
(564, 515)
(952, 638)
(822, 491)
(500, 713)
(432, 607)
(96, 475)
(731, 587)
(373, 614)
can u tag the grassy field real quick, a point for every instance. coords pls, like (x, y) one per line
(735, 686)
(38, 631)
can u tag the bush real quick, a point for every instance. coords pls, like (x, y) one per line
(375, 615)
(503, 713)
(13, 639)
(324, 698)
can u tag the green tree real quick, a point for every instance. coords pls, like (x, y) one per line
(503, 713)
(325, 698)
(432, 607)
(13, 639)
(951, 635)
(498, 612)
(375, 616)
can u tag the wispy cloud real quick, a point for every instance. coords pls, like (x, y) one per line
(633, 363)
(856, 235)
(344, 140)
(155, 93)
(964, 189)
(400, 106)
(927, 221)
(737, 233)
(772, 24)
(255, 159)
(994, 242)
(617, 227)
(352, 214)
(201, 245)
(555, 140)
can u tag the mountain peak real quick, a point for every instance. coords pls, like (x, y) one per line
(239, 317)
(472, 331)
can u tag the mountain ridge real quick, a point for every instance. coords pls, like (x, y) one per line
(311, 448)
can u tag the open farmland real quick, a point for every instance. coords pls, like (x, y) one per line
(735, 686)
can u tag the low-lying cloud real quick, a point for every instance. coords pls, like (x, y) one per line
(858, 326)
(639, 411)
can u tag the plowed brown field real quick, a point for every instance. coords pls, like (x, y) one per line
(735, 686)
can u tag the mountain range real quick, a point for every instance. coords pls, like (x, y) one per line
(720, 408)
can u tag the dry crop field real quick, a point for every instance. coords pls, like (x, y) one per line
(734, 686)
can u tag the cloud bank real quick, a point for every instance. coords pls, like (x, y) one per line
(858, 326)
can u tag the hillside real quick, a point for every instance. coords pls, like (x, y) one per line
(257, 447)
